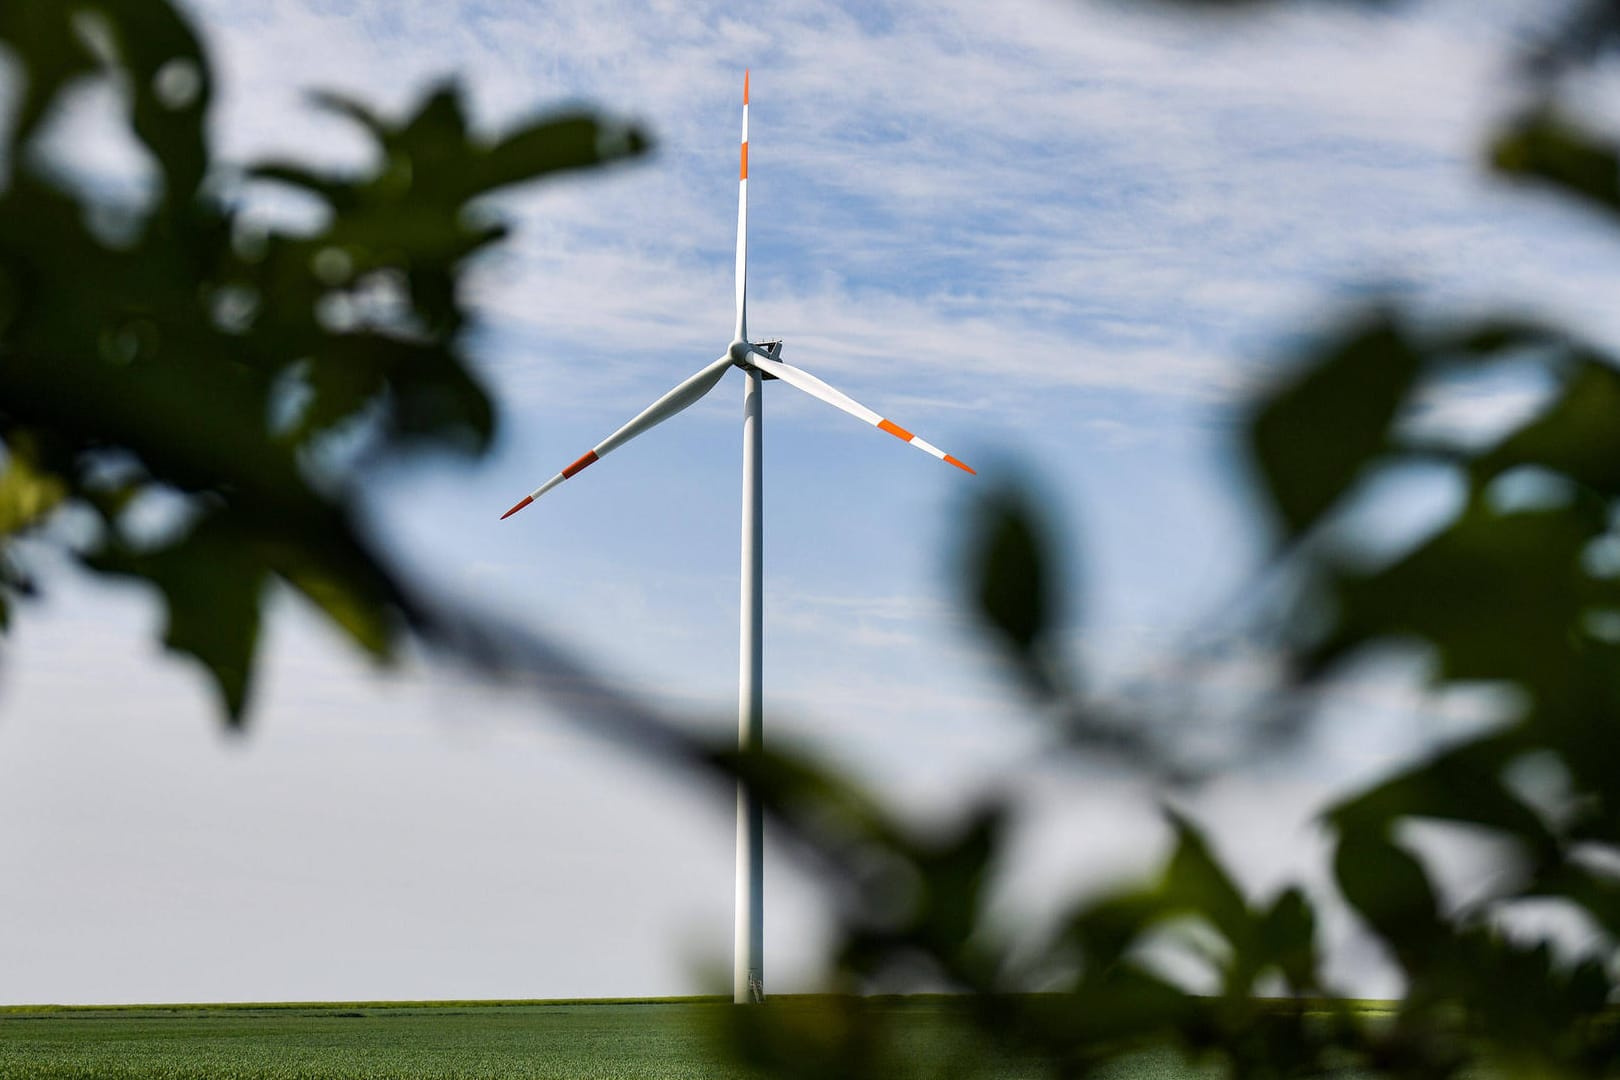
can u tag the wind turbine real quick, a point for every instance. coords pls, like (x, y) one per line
(759, 361)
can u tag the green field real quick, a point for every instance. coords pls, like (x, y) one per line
(667, 1039)
(298, 1042)
(653, 1040)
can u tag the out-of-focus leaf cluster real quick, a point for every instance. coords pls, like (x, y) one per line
(158, 348)
(1511, 593)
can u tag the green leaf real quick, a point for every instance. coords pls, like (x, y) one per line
(427, 399)
(1577, 434)
(1462, 784)
(1597, 894)
(1494, 335)
(339, 193)
(28, 495)
(170, 87)
(1287, 937)
(1197, 883)
(1390, 889)
(368, 620)
(211, 584)
(1460, 591)
(1313, 435)
(1011, 566)
(433, 156)
(431, 147)
(955, 873)
(554, 144)
(42, 37)
(354, 109)
(1105, 929)
(1549, 149)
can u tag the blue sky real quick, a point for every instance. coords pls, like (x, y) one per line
(1062, 241)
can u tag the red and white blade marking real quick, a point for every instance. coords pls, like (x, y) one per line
(665, 407)
(901, 433)
(813, 386)
(702, 382)
(741, 333)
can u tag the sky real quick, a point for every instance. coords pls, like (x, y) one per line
(1067, 242)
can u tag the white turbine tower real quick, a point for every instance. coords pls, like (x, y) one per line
(759, 361)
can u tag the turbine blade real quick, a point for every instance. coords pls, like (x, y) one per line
(742, 227)
(665, 407)
(813, 386)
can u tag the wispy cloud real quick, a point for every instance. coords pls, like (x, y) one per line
(1057, 197)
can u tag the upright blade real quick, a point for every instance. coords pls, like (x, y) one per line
(818, 389)
(656, 413)
(742, 227)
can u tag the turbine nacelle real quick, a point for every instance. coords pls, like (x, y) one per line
(743, 353)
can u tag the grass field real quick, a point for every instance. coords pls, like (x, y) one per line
(652, 1040)
(363, 1042)
(623, 1040)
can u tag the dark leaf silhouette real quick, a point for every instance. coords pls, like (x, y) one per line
(1313, 436)
(1551, 150)
(1013, 588)
(186, 359)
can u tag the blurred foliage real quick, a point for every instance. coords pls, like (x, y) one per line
(158, 346)
(202, 389)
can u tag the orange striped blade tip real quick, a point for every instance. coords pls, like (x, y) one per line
(953, 461)
(527, 499)
(894, 429)
(588, 457)
(745, 86)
